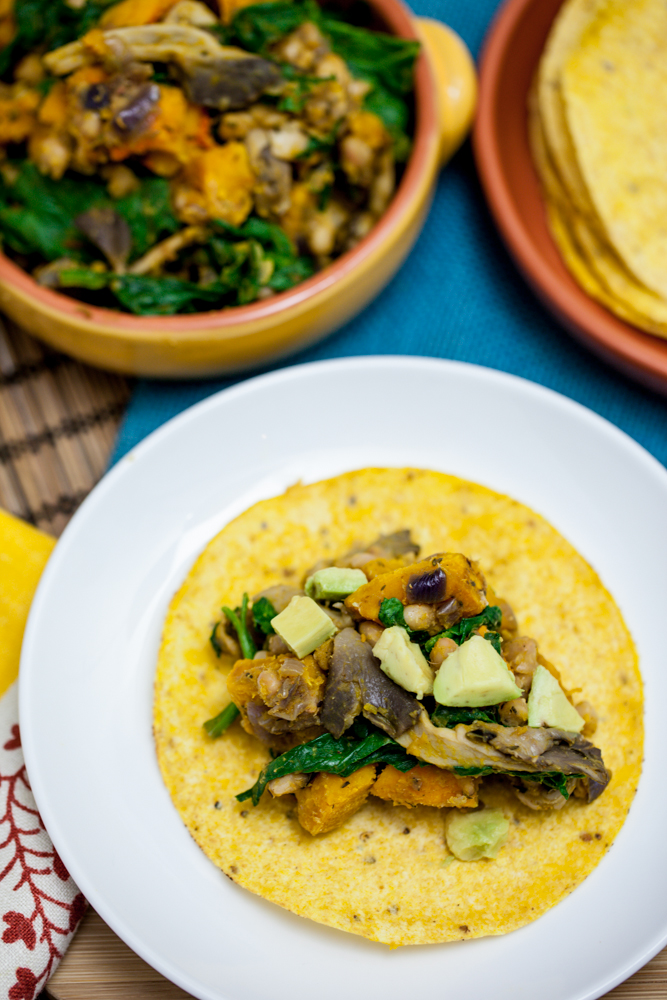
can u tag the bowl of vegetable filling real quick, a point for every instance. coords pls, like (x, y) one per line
(188, 189)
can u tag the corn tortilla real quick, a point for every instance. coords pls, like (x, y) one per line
(598, 145)
(614, 86)
(386, 874)
(570, 22)
(591, 260)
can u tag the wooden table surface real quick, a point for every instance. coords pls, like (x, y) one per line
(99, 965)
(58, 421)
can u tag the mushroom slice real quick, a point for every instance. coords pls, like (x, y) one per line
(504, 749)
(399, 543)
(110, 232)
(48, 275)
(288, 784)
(230, 83)
(215, 75)
(168, 249)
(356, 685)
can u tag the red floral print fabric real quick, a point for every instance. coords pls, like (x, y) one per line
(40, 906)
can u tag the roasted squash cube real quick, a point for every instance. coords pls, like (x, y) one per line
(288, 691)
(133, 13)
(329, 800)
(242, 682)
(464, 582)
(225, 179)
(425, 786)
(376, 567)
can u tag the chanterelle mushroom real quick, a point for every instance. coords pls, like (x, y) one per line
(215, 75)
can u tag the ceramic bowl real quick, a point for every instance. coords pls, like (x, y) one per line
(500, 138)
(240, 337)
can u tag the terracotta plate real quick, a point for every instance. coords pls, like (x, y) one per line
(511, 53)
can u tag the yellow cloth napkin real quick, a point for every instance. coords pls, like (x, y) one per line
(24, 552)
(40, 906)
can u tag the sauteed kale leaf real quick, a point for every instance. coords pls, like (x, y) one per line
(391, 613)
(262, 613)
(448, 717)
(550, 779)
(146, 295)
(363, 745)
(384, 61)
(38, 216)
(239, 619)
(222, 721)
(257, 27)
(48, 24)
(490, 617)
(37, 213)
(148, 213)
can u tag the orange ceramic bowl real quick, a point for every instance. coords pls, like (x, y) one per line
(511, 54)
(227, 340)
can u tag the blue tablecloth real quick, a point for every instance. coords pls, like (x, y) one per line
(458, 296)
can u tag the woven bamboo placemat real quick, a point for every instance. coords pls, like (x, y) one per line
(58, 420)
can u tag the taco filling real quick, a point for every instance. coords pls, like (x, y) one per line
(405, 679)
(374, 737)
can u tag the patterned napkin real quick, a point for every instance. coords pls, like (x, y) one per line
(40, 906)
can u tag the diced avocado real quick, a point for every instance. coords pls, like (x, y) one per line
(474, 835)
(404, 661)
(548, 706)
(303, 625)
(334, 583)
(474, 675)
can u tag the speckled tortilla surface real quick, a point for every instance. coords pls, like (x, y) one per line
(387, 874)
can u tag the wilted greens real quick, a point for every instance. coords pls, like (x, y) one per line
(363, 745)
(385, 61)
(550, 779)
(490, 617)
(263, 612)
(220, 723)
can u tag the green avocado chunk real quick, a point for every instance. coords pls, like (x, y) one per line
(334, 583)
(404, 661)
(474, 835)
(474, 675)
(548, 706)
(303, 625)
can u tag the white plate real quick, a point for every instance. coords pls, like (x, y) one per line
(90, 648)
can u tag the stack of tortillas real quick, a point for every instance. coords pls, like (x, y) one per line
(598, 124)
